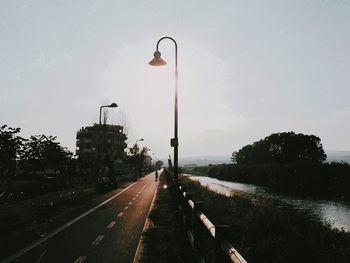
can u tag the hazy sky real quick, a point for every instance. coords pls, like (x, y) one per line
(246, 69)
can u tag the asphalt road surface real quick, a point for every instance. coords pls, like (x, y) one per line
(109, 232)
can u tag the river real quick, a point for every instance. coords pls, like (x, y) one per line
(337, 213)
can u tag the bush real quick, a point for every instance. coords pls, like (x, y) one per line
(262, 232)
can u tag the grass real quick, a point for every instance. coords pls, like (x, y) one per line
(165, 240)
(261, 232)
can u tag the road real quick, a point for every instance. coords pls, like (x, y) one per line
(109, 232)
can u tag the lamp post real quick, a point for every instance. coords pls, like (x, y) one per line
(135, 144)
(174, 142)
(113, 105)
(139, 140)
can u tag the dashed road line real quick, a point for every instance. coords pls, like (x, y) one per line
(41, 256)
(130, 203)
(120, 214)
(126, 208)
(80, 259)
(111, 224)
(98, 240)
(43, 239)
(134, 199)
(146, 225)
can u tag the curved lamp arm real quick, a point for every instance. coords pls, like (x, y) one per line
(113, 105)
(176, 72)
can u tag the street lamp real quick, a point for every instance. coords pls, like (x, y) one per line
(113, 105)
(103, 147)
(139, 140)
(135, 145)
(174, 142)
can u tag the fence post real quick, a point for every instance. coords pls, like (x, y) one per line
(182, 198)
(188, 213)
(198, 207)
(221, 233)
(179, 197)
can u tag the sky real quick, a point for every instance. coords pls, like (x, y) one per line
(246, 69)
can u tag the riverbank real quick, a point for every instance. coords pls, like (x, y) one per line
(337, 213)
(265, 233)
(329, 181)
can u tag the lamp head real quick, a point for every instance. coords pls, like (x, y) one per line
(113, 105)
(157, 60)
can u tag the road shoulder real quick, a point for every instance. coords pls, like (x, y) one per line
(164, 239)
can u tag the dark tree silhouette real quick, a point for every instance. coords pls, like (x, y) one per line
(10, 148)
(43, 152)
(286, 147)
(138, 157)
(158, 164)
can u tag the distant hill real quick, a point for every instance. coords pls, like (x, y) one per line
(203, 160)
(338, 156)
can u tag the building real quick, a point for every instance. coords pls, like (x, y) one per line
(101, 144)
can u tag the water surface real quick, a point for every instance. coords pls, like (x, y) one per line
(337, 213)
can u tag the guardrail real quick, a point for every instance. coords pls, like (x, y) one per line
(203, 236)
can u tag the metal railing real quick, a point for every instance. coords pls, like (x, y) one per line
(203, 234)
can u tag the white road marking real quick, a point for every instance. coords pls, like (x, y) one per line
(41, 256)
(111, 224)
(43, 239)
(80, 259)
(144, 186)
(145, 226)
(130, 203)
(98, 240)
(120, 214)
(125, 208)
(134, 198)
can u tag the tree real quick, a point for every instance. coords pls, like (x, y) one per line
(10, 147)
(158, 164)
(42, 152)
(234, 157)
(283, 147)
(124, 121)
(138, 157)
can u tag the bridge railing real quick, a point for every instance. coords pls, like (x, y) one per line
(209, 242)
